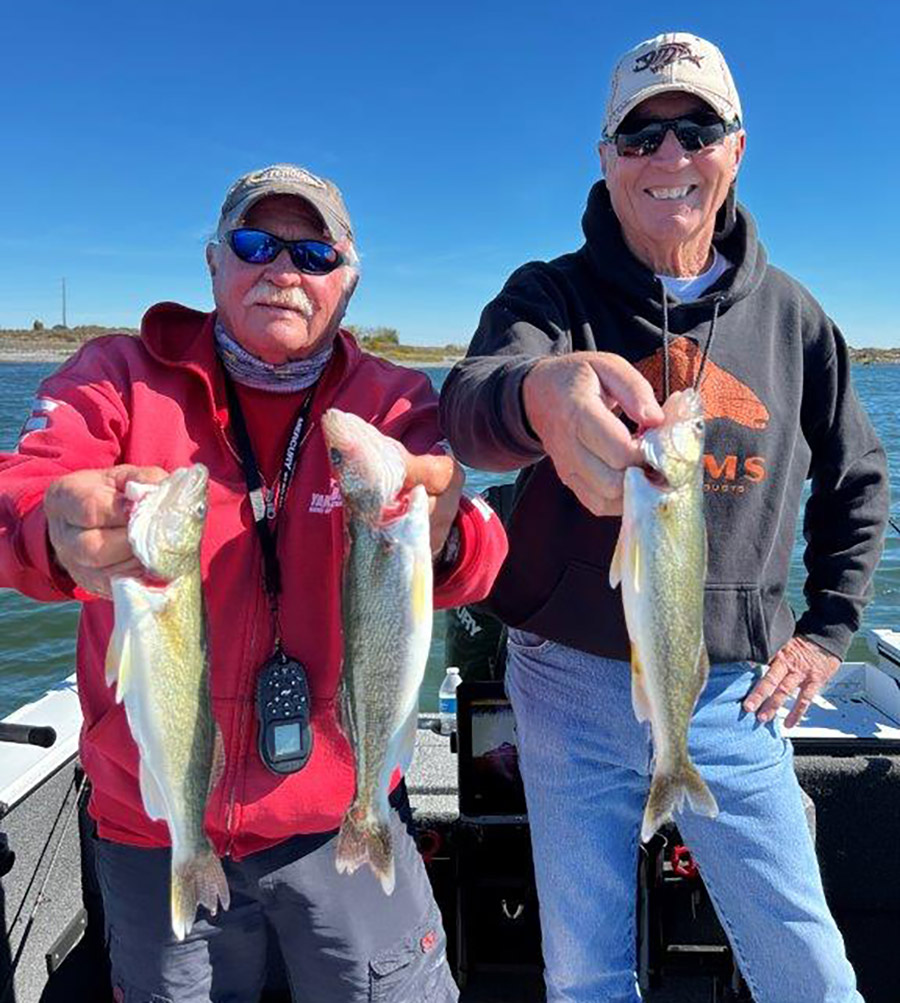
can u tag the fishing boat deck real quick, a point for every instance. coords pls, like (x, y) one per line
(848, 758)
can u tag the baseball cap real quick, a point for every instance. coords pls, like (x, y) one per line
(674, 61)
(286, 179)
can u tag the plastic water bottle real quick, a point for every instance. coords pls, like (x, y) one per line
(447, 700)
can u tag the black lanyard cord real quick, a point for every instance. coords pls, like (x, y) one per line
(265, 509)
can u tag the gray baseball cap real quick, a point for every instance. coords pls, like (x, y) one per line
(674, 61)
(286, 179)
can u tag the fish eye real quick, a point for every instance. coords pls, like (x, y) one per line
(699, 425)
(335, 456)
(200, 509)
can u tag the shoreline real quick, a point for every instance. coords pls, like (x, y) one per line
(11, 356)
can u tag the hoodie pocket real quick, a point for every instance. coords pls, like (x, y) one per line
(735, 624)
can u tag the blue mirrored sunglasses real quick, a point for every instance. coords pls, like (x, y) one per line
(257, 247)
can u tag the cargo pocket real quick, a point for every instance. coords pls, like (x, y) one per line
(414, 970)
(123, 993)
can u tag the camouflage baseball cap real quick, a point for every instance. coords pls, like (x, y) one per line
(286, 179)
(674, 61)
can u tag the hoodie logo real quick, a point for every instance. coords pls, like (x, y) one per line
(658, 59)
(723, 396)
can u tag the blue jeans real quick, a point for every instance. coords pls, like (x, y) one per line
(586, 764)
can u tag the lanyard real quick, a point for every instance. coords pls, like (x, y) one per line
(265, 509)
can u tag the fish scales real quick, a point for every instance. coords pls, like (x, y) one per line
(660, 561)
(386, 614)
(158, 660)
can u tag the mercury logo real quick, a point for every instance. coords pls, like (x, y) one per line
(658, 59)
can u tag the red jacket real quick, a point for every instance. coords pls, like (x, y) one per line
(160, 400)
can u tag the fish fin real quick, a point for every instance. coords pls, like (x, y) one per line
(699, 796)
(703, 664)
(134, 603)
(151, 794)
(199, 880)
(668, 790)
(118, 651)
(217, 767)
(639, 700)
(420, 590)
(617, 562)
(345, 715)
(366, 839)
(403, 744)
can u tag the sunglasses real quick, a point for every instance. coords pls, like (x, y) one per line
(256, 247)
(642, 140)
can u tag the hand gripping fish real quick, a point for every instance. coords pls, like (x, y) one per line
(158, 659)
(387, 628)
(660, 560)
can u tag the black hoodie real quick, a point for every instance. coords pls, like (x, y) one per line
(780, 409)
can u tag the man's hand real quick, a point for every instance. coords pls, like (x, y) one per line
(443, 479)
(87, 517)
(800, 664)
(570, 402)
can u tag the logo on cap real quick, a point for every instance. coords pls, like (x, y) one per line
(286, 173)
(658, 59)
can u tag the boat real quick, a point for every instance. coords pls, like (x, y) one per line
(847, 755)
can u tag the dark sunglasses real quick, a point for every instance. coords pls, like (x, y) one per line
(256, 247)
(642, 140)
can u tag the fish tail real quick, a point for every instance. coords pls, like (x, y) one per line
(668, 791)
(198, 880)
(366, 839)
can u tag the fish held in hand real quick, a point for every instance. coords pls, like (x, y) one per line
(387, 612)
(660, 560)
(158, 661)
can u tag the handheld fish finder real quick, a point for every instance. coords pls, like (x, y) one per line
(283, 710)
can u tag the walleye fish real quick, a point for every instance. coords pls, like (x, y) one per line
(158, 659)
(660, 560)
(387, 628)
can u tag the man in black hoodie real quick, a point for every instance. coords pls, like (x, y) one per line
(672, 278)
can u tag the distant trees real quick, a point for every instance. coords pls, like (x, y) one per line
(373, 338)
(38, 325)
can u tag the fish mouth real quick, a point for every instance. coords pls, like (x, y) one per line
(656, 477)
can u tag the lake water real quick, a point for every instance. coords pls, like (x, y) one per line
(37, 640)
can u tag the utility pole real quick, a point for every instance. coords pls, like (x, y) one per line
(64, 302)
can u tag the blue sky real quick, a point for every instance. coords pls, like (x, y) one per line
(462, 135)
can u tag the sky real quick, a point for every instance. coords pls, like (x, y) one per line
(462, 135)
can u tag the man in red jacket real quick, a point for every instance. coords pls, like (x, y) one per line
(283, 268)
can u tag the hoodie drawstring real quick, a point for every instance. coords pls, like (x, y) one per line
(712, 330)
(717, 303)
(665, 334)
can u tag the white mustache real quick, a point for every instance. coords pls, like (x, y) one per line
(293, 298)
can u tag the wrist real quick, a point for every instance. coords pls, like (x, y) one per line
(533, 392)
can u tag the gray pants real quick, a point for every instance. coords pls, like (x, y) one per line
(341, 937)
